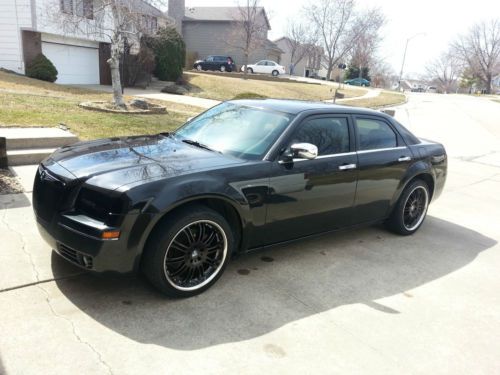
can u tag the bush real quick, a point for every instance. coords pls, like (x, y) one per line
(140, 67)
(170, 53)
(42, 68)
(249, 95)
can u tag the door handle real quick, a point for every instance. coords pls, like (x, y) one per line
(344, 167)
(404, 158)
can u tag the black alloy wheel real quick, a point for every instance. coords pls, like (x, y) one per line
(411, 209)
(188, 251)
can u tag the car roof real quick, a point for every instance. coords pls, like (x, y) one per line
(297, 106)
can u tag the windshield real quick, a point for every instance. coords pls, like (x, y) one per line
(237, 130)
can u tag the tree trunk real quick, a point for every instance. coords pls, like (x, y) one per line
(114, 64)
(245, 71)
(329, 72)
(488, 83)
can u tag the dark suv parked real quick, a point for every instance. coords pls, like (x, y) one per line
(222, 63)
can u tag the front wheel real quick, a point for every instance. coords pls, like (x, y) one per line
(188, 252)
(249, 70)
(411, 209)
(199, 67)
(275, 73)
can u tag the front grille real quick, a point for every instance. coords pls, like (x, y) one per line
(48, 193)
(75, 257)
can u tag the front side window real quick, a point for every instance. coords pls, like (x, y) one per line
(261, 63)
(329, 134)
(237, 130)
(375, 134)
(210, 58)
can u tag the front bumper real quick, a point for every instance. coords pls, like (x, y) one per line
(77, 244)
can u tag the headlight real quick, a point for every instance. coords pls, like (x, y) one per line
(99, 205)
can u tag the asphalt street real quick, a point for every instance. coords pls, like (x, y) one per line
(353, 302)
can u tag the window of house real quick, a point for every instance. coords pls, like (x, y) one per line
(66, 6)
(375, 134)
(329, 134)
(85, 8)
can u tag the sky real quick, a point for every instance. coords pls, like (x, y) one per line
(440, 20)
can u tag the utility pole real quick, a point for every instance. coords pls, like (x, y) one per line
(404, 58)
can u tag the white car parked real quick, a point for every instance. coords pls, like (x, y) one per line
(266, 67)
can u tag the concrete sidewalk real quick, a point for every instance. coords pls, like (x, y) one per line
(156, 94)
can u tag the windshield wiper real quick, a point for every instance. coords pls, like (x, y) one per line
(200, 145)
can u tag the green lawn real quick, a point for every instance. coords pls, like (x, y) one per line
(224, 88)
(28, 102)
(385, 98)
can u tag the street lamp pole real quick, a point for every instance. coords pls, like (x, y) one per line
(404, 58)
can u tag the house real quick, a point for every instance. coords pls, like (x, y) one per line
(215, 31)
(30, 27)
(308, 66)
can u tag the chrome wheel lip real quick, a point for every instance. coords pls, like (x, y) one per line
(424, 211)
(217, 270)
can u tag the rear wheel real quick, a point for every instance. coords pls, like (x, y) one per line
(411, 209)
(188, 252)
(222, 68)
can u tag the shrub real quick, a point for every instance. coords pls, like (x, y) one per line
(170, 53)
(249, 95)
(42, 68)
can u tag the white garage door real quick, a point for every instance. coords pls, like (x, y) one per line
(75, 65)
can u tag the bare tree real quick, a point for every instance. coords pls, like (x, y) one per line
(301, 40)
(340, 27)
(249, 29)
(445, 71)
(122, 22)
(480, 50)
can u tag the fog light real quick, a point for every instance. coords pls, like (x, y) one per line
(110, 235)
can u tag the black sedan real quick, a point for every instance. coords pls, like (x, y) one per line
(221, 63)
(241, 176)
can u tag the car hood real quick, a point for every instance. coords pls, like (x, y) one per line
(113, 162)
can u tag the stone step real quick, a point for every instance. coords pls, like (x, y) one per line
(26, 138)
(28, 156)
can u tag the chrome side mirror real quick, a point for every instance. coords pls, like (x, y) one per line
(304, 150)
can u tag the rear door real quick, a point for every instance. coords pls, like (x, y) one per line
(313, 196)
(383, 159)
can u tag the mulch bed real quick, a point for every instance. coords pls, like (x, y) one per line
(9, 183)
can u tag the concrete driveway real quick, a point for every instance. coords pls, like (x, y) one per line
(357, 302)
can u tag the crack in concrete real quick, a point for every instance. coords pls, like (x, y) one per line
(22, 286)
(74, 330)
(23, 243)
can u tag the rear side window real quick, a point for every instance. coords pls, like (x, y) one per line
(375, 134)
(329, 134)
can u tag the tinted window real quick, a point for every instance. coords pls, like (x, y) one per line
(237, 130)
(374, 134)
(329, 134)
(210, 58)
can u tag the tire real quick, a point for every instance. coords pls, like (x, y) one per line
(222, 68)
(249, 70)
(275, 73)
(407, 217)
(199, 67)
(168, 258)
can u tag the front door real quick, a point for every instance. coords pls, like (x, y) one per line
(383, 159)
(313, 196)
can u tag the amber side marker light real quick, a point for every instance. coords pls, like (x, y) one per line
(111, 235)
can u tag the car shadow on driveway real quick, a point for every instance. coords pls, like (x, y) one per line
(262, 291)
